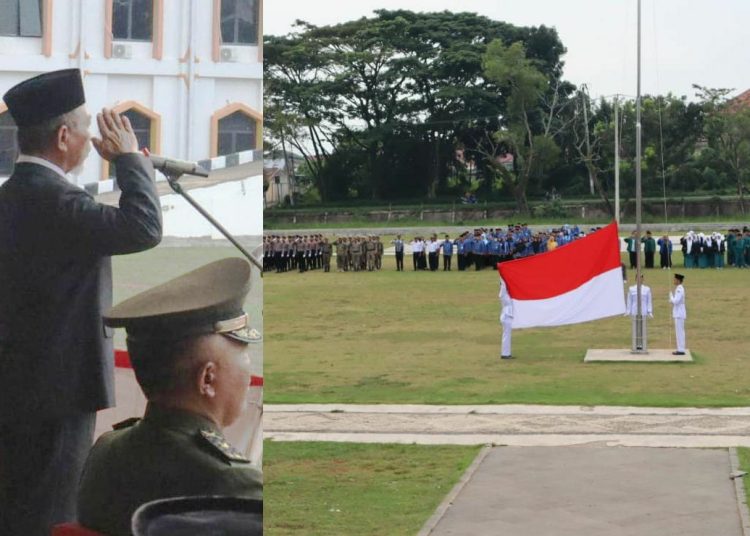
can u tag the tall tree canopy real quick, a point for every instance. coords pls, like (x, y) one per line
(405, 105)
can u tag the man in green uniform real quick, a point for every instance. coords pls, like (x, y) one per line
(649, 249)
(327, 250)
(355, 249)
(370, 252)
(346, 253)
(739, 251)
(187, 340)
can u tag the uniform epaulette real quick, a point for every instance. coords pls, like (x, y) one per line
(127, 423)
(219, 443)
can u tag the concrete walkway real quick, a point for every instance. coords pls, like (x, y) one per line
(561, 470)
(593, 491)
(510, 425)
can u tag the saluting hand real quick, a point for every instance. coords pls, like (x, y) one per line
(117, 138)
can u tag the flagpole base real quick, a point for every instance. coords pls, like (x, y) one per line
(628, 355)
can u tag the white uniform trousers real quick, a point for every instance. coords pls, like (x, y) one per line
(507, 332)
(679, 330)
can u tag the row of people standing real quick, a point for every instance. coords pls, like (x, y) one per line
(649, 248)
(483, 247)
(299, 252)
(311, 252)
(701, 250)
(359, 253)
(424, 253)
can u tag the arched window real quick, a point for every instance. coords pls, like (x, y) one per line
(8, 147)
(236, 133)
(235, 128)
(146, 125)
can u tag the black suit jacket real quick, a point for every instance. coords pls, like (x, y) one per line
(56, 356)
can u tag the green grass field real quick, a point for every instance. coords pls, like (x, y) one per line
(743, 454)
(406, 337)
(352, 488)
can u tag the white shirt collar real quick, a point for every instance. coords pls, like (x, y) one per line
(42, 162)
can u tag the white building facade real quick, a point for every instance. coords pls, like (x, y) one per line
(188, 73)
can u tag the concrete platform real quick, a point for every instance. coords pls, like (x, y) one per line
(624, 354)
(592, 491)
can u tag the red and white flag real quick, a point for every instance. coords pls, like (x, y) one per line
(578, 282)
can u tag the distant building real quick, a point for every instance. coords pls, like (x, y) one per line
(740, 102)
(188, 74)
(279, 180)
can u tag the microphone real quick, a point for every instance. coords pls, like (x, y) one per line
(175, 168)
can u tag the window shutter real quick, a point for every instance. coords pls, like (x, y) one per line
(31, 18)
(9, 18)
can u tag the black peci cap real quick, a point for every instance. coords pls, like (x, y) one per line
(44, 97)
(206, 300)
(680, 277)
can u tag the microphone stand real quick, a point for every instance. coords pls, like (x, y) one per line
(172, 179)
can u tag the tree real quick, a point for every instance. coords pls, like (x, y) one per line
(294, 111)
(402, 88)
(728, 133)
(528, 135)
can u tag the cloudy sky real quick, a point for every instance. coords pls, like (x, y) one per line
(684, 42)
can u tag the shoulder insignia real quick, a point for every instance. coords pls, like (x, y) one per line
(218, 442)
(127, 423)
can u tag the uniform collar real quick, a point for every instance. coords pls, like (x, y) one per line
(28, 159)
(177, 419)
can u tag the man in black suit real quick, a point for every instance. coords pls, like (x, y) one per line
(56, 359)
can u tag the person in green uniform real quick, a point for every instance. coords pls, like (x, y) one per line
(739, 251)
(187, 340)
(632, 247)
(730, 247)
(327, 250)
(649, 249)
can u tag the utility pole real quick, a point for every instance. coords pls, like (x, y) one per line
(585, 105)
(617, 162)
(639, 335)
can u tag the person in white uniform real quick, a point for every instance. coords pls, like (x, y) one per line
(677, 299)
(506, 319)
(631, 303)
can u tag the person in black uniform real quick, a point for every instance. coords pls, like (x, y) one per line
(55, 273)
(187, 340)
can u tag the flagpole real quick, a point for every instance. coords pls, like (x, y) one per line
(639, 336)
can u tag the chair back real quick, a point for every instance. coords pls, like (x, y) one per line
(73, 529)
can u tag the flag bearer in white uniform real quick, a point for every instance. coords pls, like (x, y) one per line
(631, 304)
(679, 313)
(506, 319)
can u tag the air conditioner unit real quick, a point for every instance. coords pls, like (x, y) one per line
(229, 54)
(122, 51)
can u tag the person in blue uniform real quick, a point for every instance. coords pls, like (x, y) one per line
(447, 247)
(479, 253)
(398, 246)
(665, 252)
